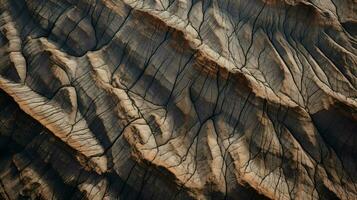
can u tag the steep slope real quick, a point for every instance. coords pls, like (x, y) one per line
(178, 99)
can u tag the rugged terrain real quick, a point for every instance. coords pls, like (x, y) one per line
(178, 99)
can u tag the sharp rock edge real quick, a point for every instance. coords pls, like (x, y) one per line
(178, 99)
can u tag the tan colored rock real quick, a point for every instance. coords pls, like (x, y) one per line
(180, 99)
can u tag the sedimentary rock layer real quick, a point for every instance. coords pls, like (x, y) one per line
(178, 99)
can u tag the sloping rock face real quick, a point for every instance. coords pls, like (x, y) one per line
(178, 99)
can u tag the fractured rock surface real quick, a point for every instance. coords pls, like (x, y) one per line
(178, 99)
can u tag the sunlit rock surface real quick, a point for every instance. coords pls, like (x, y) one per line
(178, 99)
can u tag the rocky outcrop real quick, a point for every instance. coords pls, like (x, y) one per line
(178, 99)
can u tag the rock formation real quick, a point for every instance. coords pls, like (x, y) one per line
(178, 99)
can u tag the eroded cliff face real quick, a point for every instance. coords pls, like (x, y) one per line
(178, 99)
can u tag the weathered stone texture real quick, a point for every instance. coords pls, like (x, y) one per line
(178, 99)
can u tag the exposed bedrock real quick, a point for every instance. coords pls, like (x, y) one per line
(178, 99)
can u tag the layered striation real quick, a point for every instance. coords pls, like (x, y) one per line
(178, 99)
